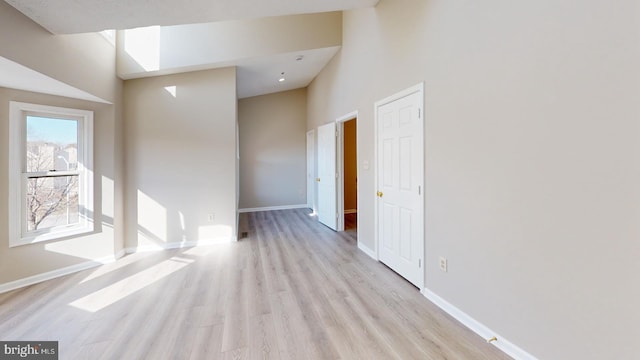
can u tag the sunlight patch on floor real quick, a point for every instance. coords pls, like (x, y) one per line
(111, 267)
(109, 295)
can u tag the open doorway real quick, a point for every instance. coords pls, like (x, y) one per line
(311, 170)
(348, 174)
(350, 178)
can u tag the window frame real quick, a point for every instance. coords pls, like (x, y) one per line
(18, 175)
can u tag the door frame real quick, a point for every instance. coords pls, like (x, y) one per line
(418, 88)
(311, 181)
(340, 164)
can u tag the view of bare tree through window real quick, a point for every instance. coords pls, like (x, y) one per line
(51, 173)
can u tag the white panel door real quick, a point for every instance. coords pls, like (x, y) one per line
(400, 173)
(327, 207)
(311, 169)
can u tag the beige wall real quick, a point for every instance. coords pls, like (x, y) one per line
(87, 62)
(350, 165)
(273, 149)
(532, 158)
(180, 158)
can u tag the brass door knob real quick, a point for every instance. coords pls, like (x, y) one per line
(379, 194)
(318, 179)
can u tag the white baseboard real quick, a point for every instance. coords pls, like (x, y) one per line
(366, 250)
(13, 285)
(351, 211)
(270, 208)
(179, 245)
(503, 344)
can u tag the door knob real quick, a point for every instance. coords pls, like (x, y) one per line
(318, 179)
(379, 194)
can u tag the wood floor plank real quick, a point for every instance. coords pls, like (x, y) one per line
(207, 343)
(291, 333)
(262, 337)
(236, 318)
(236, 354)
(290, 289)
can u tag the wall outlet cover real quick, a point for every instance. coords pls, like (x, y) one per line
(443, 264)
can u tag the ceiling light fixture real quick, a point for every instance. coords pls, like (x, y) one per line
(281, 77)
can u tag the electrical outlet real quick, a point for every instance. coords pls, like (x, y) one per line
(443, 264)
(211, 217)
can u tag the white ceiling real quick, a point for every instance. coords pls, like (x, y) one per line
(74, 16)
(259, 76)
(255, 76)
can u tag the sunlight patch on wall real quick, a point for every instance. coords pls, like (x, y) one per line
(143, 46)
(222, 233)
(110, 35)
(182, 226)
(108, 192)
(82, 248)
(152, 219)
(173, 90)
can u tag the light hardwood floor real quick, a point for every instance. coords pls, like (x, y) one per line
(292, 289)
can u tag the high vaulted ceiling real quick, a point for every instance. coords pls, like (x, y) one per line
(258, 71)
(73, 16)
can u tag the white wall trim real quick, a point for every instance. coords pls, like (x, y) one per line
(351, 211)
(372, 254)
(503, 344)
(270, 208)
(350, 116)
(31, 280)
(179, 245)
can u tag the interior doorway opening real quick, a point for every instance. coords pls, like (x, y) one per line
(347, 170)
(350, 178)
(311, 171)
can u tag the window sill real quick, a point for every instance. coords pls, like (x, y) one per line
(54, 235)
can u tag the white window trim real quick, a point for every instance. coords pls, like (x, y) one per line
(17, 146)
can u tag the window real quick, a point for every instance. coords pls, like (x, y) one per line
(51, 181)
